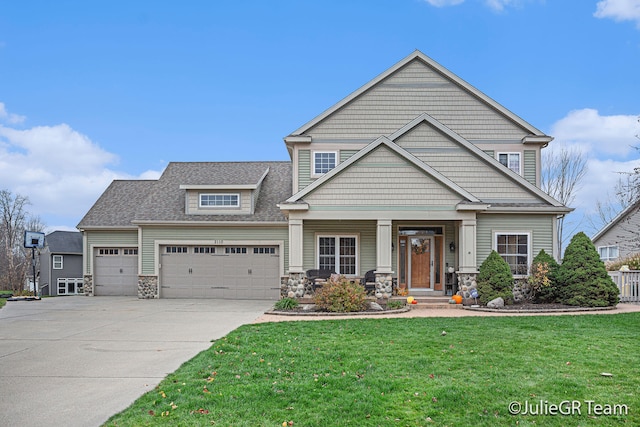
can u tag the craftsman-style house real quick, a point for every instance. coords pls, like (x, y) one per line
(415, 178)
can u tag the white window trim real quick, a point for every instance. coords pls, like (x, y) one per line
(608, 247)
(509, 153)
(337, 255)
(201, 206)
(529, 246)
(313, 161)
(61, 262)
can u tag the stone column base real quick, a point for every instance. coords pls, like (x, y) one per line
(148, 287)
(294, 286)
(384, 285)
(87, 285)
(466, 282)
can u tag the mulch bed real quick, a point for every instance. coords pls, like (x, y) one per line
(538, 308)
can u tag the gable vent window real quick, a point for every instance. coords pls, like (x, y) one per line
(510, 160)
(323, 162)
(220, 200)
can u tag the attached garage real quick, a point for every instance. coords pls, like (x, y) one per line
(228, 272)
(116, 271)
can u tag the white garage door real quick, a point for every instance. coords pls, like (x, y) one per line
(229, 272)
(115, 271)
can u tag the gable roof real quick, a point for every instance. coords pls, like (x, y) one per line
(69, 242)
(615, 221)
(479, 154)
(437, 176)
(536, 134)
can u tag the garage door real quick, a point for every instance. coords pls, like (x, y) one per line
(230, 272)
(115, 271)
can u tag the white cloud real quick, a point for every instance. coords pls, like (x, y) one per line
(10, 118)
(602, 135)
(60, 170)
(619, 10)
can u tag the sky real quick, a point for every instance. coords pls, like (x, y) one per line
(102, 90)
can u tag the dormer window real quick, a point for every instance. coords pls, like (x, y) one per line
(511, 160)
(219, 200)
(324, 161)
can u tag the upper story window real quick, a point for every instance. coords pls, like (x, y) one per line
(223, 200)
(608, 253)
(57, 262)
(324, 161)
(511, 160)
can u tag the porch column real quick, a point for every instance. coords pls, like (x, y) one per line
(296, 264)
(467, 235)
(383, 247)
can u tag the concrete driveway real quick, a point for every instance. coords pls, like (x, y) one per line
(75, 361)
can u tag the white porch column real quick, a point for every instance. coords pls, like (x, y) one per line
(467, 235)
(383, 246)
(296, 264)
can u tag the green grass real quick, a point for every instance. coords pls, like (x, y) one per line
(403, 372)
(3, 301)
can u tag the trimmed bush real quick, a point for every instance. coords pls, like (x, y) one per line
(341, 296)
(495, 279)
(544, 278)
(583, 277)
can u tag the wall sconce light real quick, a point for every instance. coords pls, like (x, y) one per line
(452, 247)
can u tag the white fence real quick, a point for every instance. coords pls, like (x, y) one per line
(628, 283)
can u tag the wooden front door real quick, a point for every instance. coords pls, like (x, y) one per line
(420, 255)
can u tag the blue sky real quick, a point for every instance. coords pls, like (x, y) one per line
(103, 90)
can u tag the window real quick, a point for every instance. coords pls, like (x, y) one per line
(130, 251)
(337, 253)
(268, 251)
(323, 162)
(109, 251)
(510, 160)
(204, 250)
(57, 262)
(220, 200)
(232, 250)
(515, 250)
(608, 253)
(176, 250)
(70, 286)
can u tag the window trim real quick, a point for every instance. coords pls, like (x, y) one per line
(222, 195)
(508, 154)
(59, 262)
(313, 162)
(337, 255)
(516, 233)
(608, 248)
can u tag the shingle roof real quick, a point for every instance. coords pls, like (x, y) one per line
(64, 242)
(125, 202)
(117, 206)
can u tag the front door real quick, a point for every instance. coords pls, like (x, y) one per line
(416, 259)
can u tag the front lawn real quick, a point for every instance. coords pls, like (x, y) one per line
(406, 372)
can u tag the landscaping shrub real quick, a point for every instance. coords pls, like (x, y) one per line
(286, 304)
(544, 278)
(632, 261)
(394, 304)
(495, 279)
(341, 296)
(583, 278)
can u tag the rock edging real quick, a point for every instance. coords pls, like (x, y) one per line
(331, 314)
(539, 310)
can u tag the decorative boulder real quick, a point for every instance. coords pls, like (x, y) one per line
(496, 303)
(375, 306)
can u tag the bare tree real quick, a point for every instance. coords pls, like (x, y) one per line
(13, 260)
(561, 174)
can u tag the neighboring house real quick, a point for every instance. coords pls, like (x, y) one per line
(415, 174)
(61, 264)
(621, 237)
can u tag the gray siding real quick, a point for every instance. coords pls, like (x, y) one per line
(409, 92)
(529, 166)
(382, 178)
(623, 234)
(540, 227)
(460, 165)
(151, 234)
